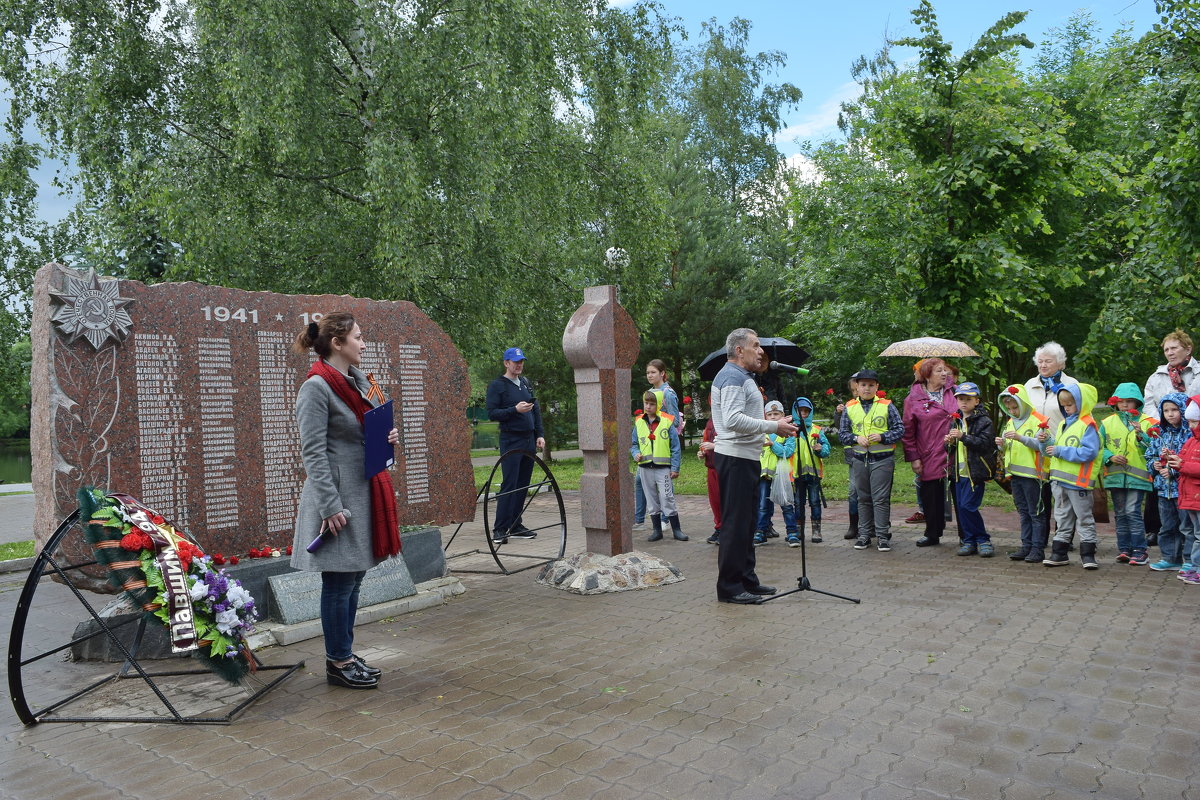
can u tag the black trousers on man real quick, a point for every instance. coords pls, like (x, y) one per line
(517, 469)
(737, 479)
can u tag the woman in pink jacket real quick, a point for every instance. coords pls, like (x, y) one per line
(928, 410)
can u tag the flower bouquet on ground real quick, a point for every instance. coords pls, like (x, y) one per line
(169, 577)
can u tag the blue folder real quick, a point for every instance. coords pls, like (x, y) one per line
(380, 454)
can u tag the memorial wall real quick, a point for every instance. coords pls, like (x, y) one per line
(182, 395)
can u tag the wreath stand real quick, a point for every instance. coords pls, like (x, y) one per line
(47, 564)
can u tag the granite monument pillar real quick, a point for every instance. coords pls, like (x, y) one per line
(601, 345)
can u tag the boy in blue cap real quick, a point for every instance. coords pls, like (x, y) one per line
(871, 427)
(974, 441)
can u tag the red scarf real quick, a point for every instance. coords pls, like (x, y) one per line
(385, 529)
(1176, 374)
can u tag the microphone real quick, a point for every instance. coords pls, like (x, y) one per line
(316, 543)
(788, 368)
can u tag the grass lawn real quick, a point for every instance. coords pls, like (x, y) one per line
(11, 550)
(692, 479)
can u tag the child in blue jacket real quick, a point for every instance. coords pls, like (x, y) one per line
(808, 467)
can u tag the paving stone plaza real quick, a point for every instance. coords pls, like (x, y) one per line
(955, 677)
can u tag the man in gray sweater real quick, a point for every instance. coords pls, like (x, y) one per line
(737, 415)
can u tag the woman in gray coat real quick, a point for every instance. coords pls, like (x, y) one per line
(349, 513)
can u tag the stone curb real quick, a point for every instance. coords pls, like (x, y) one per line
(429, 594)
(17, 564)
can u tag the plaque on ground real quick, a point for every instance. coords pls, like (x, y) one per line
(183, 395)
(296, 596)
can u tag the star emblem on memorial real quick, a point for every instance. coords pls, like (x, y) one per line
(91, 308)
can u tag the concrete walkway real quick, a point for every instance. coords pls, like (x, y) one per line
(955, 677)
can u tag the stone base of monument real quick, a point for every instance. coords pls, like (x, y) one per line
(289, 601)
(591, 573)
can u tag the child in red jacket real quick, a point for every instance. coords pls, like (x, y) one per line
(1187, 462)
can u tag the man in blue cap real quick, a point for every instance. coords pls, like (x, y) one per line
(510, 402)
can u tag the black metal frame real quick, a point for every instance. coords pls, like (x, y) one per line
(493, 548)
(28, 716)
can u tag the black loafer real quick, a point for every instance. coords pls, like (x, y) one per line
(760, 589)
(925, 541)
(351, 676)
(374, 672)
(744, 599)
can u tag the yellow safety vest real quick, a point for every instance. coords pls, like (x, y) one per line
(658, 448)
(769, 462)
(1019, 460)
(1082, 476)
(805, 461)
(1122, 441)
(863, 424)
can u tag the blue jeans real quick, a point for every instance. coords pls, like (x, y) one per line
(1176, 536)
(1027, 495)
(766, 508)
(1131, 530)
(639, 501)
(339, 604)
(808, 489)
(969, 497)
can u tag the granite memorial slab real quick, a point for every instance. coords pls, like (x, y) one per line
(296, 596)
(601, 345)
(183, 395)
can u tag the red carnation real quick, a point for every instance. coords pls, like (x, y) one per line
(1012, 390)
(829, 391)
(157, 519)
(131, 541)
(1154, 432)
(1044, 424)
(233, 559)
(289, 549)
(1112, 401)
(881, 393)
(218, 559)
(687, 399)
(652, 437)
(253, 552)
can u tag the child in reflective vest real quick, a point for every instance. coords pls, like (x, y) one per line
(658, 454)
(974, 448)
(1126, 476)
(776, 460)
(1075, 454)
(809, 468)
(1027, 469)
(870, 428)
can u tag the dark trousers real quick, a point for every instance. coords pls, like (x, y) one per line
(738, 482)
(339, 605)
(1027, 494)
(932, 495)
(969, 496)
(517, 470)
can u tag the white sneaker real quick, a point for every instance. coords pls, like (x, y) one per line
(639, 526)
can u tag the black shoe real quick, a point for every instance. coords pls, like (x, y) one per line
(862, 543)
(350, 676)
(884, 545)
(760, 589)
(850, 534)
(925, 541)
(499, 540)
(374, 672)
(744, 599)
(522, 533)
(1019, 555)
(772, 533)
(1035, 556)
(715, 538)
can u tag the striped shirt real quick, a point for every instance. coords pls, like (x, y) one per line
(737, 413)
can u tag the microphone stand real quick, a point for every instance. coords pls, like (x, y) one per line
(802, 583)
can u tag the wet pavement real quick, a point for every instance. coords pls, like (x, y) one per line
(955, 677)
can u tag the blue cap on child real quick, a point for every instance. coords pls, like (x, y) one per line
(968, 389)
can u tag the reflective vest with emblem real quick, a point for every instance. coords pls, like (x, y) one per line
(1081, 476)
(1122, 441)
(769, 462)
(658, 448)
(1019, 460)
(864, 423)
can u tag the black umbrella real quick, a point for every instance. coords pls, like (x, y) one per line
(776, 348)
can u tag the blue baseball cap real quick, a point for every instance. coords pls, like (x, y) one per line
(968, 389)
(514, 354)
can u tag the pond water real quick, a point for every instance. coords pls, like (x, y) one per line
(15, 463)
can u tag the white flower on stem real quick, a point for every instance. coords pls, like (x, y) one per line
(237, 596)
(227, 621)
(199, 590)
